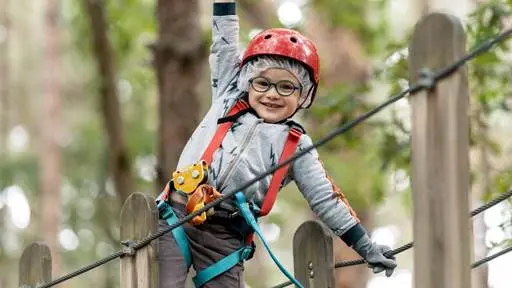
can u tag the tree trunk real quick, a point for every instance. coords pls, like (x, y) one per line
(4, 78)
(119, 160)
(180, 56)
(51, 129)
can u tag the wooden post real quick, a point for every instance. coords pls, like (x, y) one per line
(35, 266)
(440, 164)
(139, 218)
(313, 256)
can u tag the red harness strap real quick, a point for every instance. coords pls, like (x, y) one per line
(270, 198)
(289, 148)
(221, 132)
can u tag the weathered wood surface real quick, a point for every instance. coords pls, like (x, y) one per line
(139, 218)
(440, 159)
(313, 255)
(35, 265)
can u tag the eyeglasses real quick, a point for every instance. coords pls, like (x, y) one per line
(283, 87)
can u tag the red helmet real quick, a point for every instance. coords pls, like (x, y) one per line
(288, 43)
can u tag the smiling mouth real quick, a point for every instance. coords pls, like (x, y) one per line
(270, 105)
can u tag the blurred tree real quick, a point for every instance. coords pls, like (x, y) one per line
(257, 14)
(119, 160)
(50, 151)
(4, 111)
(4, 76)
(179, 59)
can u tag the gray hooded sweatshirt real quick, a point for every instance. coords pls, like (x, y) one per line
(252, 146)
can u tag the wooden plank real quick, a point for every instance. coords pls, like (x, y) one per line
(139, 218)
(313, 255)
(144, 259)
(35, 265)
(440, 164)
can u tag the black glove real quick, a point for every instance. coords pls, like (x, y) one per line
(374, 255)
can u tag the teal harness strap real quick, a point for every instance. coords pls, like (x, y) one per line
(168, 214)
(242, 204)
(222, 266)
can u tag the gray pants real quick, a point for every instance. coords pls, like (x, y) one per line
(208, 244)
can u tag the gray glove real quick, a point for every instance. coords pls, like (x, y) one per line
(374, 255)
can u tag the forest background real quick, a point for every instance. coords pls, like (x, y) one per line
(97, 98)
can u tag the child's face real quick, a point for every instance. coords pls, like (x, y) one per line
(270, 105)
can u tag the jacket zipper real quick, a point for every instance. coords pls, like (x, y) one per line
(227, 174)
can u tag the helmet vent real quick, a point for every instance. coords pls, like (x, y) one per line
(293, 39)
(267, 36)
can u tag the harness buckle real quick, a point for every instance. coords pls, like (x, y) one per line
(295, 132)
(247, 252)
(234, 214)
(164, 209)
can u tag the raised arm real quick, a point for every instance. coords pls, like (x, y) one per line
(225, 55)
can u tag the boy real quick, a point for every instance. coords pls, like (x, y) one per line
(277, 76)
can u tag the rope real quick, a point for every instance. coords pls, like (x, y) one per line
(409, 245)
(426, 81)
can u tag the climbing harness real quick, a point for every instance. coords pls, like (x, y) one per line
(191, 182)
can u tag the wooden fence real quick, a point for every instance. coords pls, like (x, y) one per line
(440, 179)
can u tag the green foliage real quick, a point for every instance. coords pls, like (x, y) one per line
(19, 170)
(338, 106)
(352, 159)
(363, 17)
(502, 182)
(362, 180)
(489, 73)
(489, 78)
